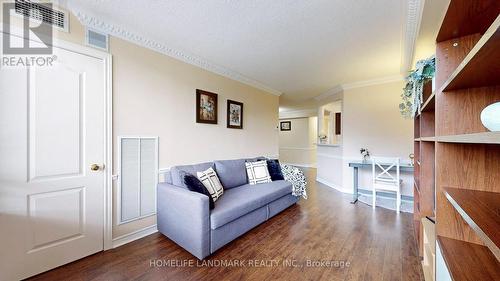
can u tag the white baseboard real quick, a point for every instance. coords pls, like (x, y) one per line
(302, 165)
(385, 195)
(138, 234)
(332, 185)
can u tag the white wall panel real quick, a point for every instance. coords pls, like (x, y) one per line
(56, 127)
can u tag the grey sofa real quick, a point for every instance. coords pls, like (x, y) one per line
(185, 218)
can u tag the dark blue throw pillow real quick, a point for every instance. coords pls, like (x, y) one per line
(274, 168)
(194, 184)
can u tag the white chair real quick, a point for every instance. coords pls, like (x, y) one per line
(386, 180)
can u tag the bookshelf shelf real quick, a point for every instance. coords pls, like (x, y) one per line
(431, 139)
(429, 104)
(481, 211)
(486, 138)
(468, 261)
(458, 178)
(480, 68)
(461, 13)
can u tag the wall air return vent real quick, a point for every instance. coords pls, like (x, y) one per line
(44, 12)
(96, 39)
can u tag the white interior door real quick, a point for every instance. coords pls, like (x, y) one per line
(52, 123)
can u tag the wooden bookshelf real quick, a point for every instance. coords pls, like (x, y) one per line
(429, 103)
(424, 150)
(463, 167)
(468, 261)
(486, 137)
(481, 211)
(480, 68)
(467, 17)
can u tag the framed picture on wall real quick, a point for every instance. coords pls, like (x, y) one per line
(234, 114)
(206, 107)
(286, 125)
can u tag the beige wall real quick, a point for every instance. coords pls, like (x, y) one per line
(298, 145)
(371, 119)
(154, 95)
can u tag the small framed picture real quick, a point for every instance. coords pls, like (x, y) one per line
(234, 114)
(206, 107)
(285, 125)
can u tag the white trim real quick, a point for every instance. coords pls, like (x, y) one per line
(313, 165)
(333, 185)
(163, 170)
(299, 113)
(298, 148)
(359, 84)
(120, 32)
(329, 145)
(108, 210)
(411, 26)
(372, 82)
(161, 173)
(108, 126)
(383, 194)
(331, 92)
(118, 217)
(135, 235)
(330, 156)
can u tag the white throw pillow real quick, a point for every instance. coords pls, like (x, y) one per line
(211, 181)
(257, 172)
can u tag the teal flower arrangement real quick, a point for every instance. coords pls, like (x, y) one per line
(412, 96)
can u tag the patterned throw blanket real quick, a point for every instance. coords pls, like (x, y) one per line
(297, 178)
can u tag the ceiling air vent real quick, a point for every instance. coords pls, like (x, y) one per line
(96, 39)
(43, 12)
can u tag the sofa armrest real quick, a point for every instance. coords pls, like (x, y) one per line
(184, 217)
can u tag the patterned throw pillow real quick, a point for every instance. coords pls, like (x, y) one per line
(257, 172)
(211, 181)
(195, 185)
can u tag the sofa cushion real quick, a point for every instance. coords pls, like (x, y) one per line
(231, 173)
(178, 172)
(241, 200)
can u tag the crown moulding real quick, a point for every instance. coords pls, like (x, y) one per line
(121, 33)
(411, 28)
(359, 84)
(298, 113)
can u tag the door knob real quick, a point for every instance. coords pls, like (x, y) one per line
(95, 167)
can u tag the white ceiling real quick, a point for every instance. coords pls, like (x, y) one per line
(298, 48)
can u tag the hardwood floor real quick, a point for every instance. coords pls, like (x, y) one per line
(372, 245)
